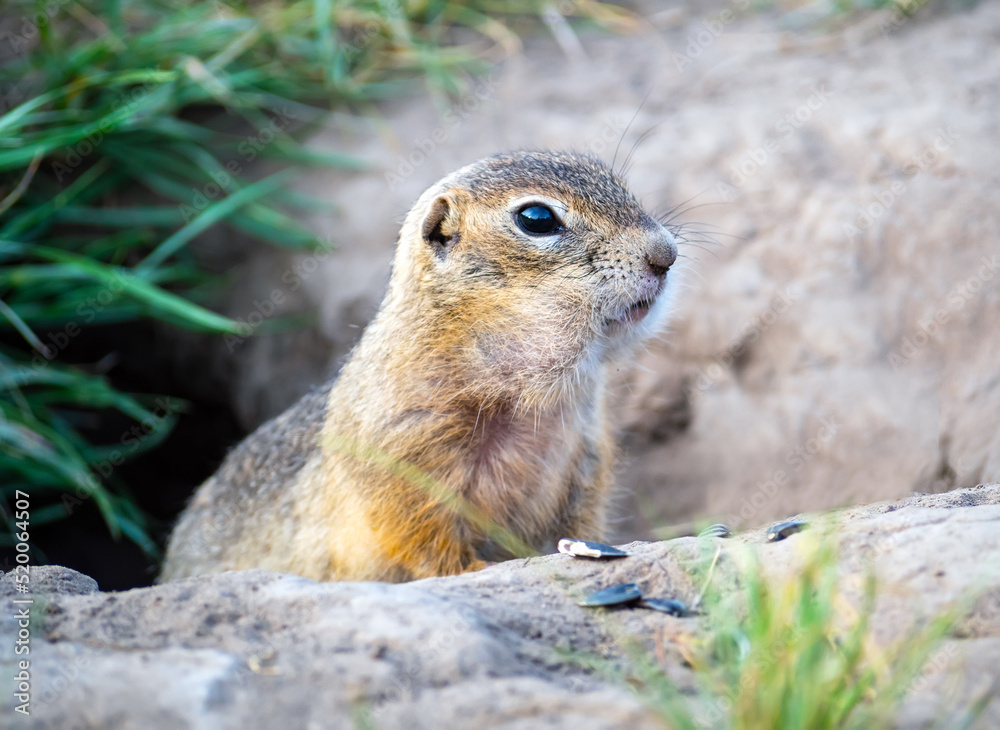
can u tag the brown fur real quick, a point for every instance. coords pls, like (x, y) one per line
(475, 397)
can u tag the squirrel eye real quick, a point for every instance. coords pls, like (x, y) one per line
(538, 220)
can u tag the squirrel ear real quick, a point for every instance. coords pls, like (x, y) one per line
(438, 230)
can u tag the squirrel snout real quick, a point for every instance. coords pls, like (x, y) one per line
(661, 252)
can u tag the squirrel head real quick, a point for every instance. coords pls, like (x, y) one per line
(527, 272)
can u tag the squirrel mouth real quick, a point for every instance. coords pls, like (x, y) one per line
(638, 311)
(634, 314)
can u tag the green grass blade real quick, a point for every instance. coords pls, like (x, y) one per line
(212, 215)
(117, 279)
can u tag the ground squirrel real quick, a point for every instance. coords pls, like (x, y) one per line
(516, 281)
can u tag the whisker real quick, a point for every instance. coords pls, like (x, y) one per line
(706, 250)
(635, 146)
(628, 127)
(678, 211)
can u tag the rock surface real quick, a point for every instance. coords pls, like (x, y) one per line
(483, 650)
(839, 345)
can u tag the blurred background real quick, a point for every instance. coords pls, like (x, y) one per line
(199, 203)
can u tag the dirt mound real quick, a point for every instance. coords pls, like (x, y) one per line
(491, 649)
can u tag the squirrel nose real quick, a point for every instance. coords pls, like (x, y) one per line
(661, 252)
